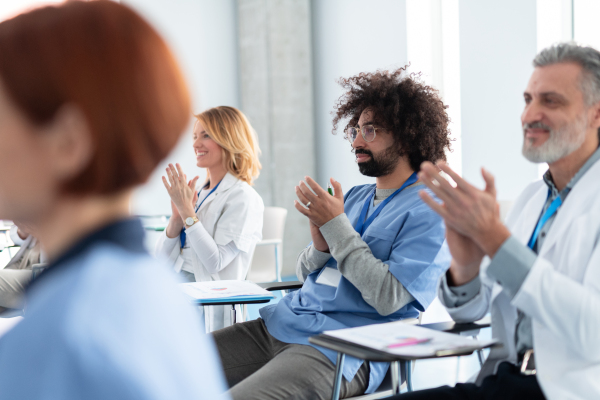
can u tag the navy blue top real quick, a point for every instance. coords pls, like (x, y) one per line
(107, 321)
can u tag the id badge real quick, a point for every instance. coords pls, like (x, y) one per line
(330, 277)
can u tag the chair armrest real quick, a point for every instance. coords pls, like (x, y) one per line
(271, 286)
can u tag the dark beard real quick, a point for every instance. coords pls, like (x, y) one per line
(380, 165)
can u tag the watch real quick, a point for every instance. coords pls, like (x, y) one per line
(189, 221)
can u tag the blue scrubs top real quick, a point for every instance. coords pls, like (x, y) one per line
(409, 237)
(107, 321)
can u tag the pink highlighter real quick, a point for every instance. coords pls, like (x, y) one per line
(408, 342)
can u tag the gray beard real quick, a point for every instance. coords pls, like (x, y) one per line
(561, 143)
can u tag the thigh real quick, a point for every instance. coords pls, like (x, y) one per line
(12, 286)
(298, 372)
(507, 383)
(243, 349)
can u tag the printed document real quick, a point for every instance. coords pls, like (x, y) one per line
(392, 337)
(217, 290)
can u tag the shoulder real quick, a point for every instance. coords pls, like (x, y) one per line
(241, 192)
(358, 192)
(409, 201)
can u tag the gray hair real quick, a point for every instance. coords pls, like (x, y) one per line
(587, 57)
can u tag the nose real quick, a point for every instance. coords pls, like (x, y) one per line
(531, 113)
(359, 142)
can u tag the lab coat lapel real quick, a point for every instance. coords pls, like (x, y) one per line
(523, 229)
(227, 182)
(575, 204)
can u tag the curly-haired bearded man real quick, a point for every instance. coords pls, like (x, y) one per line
(376, 254)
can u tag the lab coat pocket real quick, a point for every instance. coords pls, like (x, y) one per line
(380, 241)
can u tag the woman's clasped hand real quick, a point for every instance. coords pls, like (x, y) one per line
(182, 192)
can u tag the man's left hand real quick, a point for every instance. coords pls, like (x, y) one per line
(472, 212)
(322, 207)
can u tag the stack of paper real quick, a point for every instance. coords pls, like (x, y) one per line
(408, 340)
(219, 291)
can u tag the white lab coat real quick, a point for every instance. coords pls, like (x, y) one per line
(561, 293)
(233, 212)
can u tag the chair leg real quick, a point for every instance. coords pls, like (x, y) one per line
(396, 378)
(277, 266)
(232, 313)
(480, 354)
(337, 382)
(408, 368)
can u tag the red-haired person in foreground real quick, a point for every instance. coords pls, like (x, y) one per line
(91, 99)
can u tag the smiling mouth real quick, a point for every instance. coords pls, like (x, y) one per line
(201, 153)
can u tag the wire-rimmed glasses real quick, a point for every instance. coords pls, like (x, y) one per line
(368, 133)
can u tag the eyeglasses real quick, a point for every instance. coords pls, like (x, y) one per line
(367, 132)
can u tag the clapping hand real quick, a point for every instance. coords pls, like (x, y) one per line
(183, 196)
(472, 217)
(321, 207)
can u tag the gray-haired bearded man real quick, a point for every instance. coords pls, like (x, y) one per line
(540, 274)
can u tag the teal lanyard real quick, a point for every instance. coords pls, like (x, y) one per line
(552, 209)
(362, 225)
(182, 234)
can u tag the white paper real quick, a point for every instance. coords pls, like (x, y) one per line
(330, 277)
(222, 289)
(380, 336)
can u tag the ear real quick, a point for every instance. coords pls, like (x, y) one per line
(594, 116)
(68, 140)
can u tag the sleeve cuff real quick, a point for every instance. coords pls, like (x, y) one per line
(317, 257)
(337, 230)
(511, 264)
(456, 296)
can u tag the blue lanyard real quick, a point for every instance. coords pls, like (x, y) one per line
(362, 225)
(552, 209)
(182, 234)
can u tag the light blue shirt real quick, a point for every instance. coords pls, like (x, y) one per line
(107, 321)
(409, 237)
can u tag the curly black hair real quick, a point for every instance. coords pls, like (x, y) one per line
(400, 103)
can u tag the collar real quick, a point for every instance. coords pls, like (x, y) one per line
(126, 233)
(226, 183)
(585, 168)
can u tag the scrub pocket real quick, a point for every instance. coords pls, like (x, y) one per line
(380, 241)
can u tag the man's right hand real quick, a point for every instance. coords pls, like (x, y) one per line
(466, 258)
(319, 242)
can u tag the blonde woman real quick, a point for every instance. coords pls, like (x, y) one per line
(212, 233)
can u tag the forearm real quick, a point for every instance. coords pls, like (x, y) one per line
(310, 260)
(213, 257)
(567, 307)
(174, 227)
(165, 244)
(465, 303)
(378, 287)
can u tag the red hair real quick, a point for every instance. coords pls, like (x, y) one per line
(105, 59)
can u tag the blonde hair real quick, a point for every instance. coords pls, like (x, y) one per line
(230, 129)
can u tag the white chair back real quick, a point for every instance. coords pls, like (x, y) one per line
(268, 255)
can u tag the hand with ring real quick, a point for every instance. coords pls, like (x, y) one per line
(317, 204)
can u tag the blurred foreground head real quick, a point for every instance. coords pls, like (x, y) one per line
(91, 100)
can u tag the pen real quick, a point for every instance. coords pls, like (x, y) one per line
(329, 189)
(408, 342)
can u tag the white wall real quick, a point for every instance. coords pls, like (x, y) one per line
(203, 35)
(350, 36)
(497, 45)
